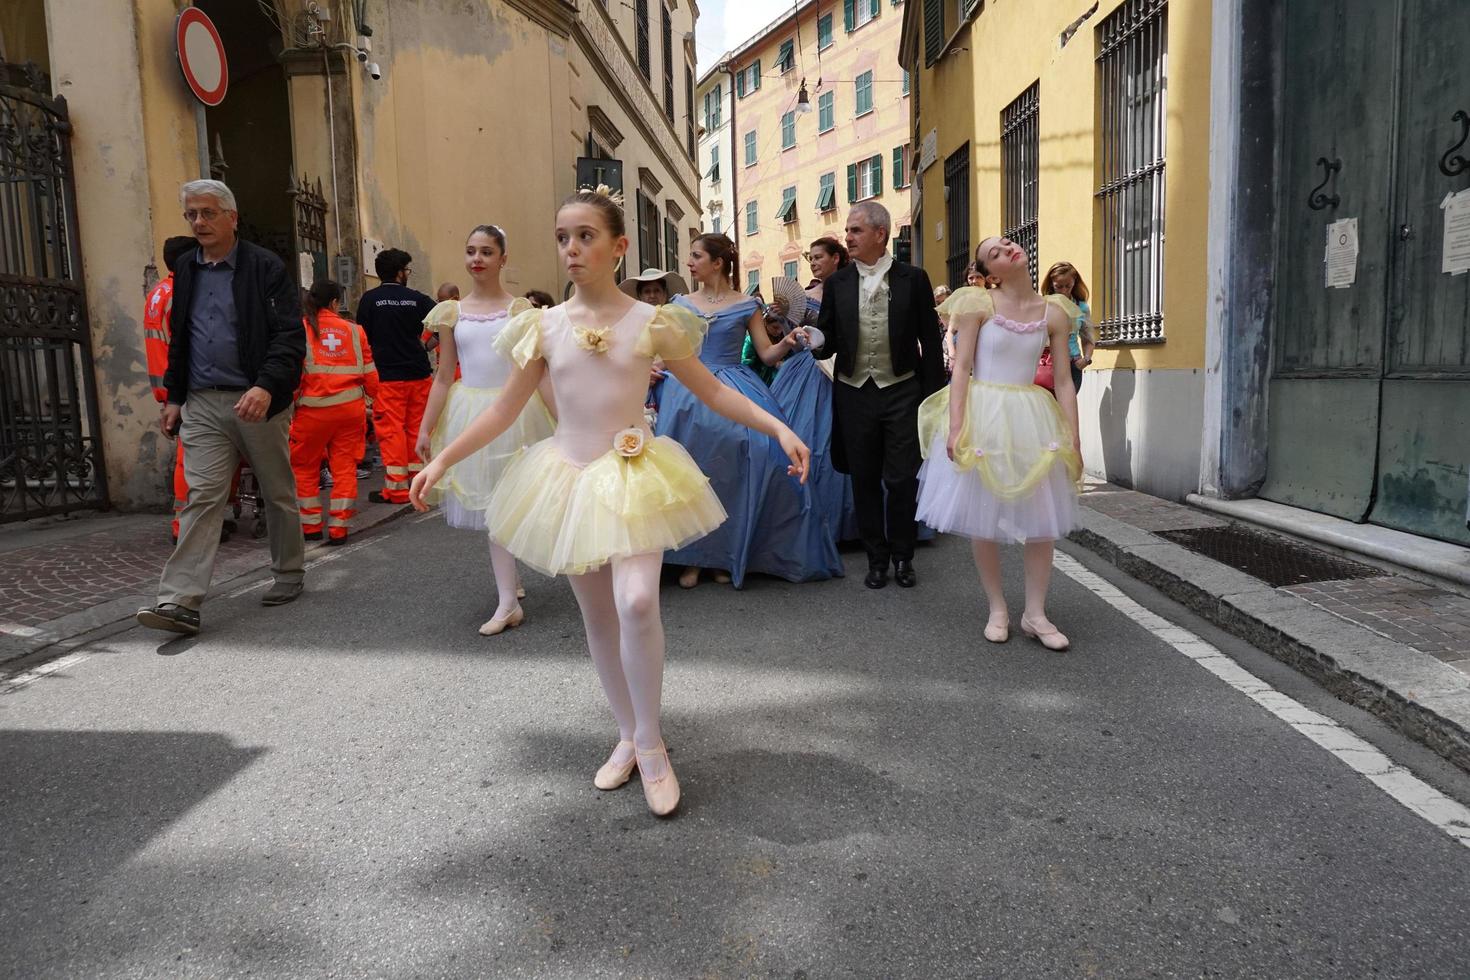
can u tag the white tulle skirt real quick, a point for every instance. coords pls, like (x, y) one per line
(465, 491)
(1014, 476)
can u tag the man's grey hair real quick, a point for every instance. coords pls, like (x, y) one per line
(874, 215)
(209, 188)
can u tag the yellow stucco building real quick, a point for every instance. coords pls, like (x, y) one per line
(337, 142)
(1080, 130)
(816, 112)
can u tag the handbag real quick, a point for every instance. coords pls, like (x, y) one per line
(1045, 374)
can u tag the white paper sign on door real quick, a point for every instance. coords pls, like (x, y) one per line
(1342, 253)
(1456, 233)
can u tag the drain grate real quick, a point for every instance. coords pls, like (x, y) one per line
(1270, 557)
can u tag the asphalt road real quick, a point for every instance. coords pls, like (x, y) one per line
(359, 785)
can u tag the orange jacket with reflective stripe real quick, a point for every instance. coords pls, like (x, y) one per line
(156, 334)
(339, 364)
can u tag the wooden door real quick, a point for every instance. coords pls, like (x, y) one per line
(1338, 91)
(1424, 448)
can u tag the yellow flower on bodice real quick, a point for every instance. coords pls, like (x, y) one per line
(596, 341)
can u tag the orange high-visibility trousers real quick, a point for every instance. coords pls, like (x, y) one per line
(339, 433)
(397, 414)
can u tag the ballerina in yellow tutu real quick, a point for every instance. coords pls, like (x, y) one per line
(602, 499)
(1002, 456)
(467, 331)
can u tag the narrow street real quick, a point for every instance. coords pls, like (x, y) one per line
(358, 785)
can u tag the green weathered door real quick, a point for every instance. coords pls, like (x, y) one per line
(1371, 383)
(1338, 85)
(1424, 447)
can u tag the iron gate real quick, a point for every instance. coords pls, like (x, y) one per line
(50, 447)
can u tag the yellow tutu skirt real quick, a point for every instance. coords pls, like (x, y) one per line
(1014, 474)
(562, 519)
(465, 491)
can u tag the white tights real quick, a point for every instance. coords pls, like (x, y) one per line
(625, 635)
(503, 564)
(1037, 558)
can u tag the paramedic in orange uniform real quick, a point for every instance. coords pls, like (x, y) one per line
(331, 414)
(393, 316)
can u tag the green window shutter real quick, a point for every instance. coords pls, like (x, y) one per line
(849, 15)
(897, 167)
(740, 85)
(824, 31)
(852, 194)
(933, 29)
(873, 8)
(877, 174)
(756, 76)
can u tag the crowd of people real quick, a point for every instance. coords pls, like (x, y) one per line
(639, 424)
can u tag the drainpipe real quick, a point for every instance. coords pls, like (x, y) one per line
(734, 172)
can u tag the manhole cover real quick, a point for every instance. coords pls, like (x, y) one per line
(1270, 557)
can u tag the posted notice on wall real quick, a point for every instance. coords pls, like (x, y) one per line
(1456, 208)
(1342, 253)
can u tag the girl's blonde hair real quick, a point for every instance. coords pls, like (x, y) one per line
(1080, 293)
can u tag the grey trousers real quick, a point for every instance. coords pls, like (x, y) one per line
(214, 441)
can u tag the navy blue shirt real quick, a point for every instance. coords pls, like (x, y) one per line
(214, 347)
(393, 315)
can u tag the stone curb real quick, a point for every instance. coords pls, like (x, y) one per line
(72, 625)
(1415, 693)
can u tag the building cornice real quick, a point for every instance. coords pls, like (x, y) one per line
(603, 128)
(557, 16)
(609, 56)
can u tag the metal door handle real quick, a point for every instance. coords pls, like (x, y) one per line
(1452, 164)
(1406, 232)
(1318, 200)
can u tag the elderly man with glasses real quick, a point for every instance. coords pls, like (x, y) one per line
(234, 364)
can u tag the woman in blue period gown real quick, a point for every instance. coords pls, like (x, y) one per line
(774, 527)
(803, 389)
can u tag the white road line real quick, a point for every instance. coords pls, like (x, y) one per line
(1356, 753)
(12, 684)
(332, 555)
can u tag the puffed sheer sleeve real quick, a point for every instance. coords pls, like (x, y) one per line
(443, 316)
(1066, 305)
(673, 334)
(518, 306)
(968, 301)
(520, 341)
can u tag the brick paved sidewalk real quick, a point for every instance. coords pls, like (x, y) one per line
(1423, 617)
(62, 577)
(122, 557)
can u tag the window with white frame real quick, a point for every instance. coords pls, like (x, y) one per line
(786, 57)
(714, 164)
(714, 109)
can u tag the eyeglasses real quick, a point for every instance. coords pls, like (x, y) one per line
(205, 214)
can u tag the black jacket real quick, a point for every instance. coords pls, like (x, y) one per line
(914, 337)
(271, 339)
(915, 341)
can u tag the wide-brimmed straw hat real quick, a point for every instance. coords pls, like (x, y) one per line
(672, 281)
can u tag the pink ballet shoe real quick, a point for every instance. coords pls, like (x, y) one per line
(662, 793)
(689, 578)
(998, 632)
(1049, 637)
(520, 591)
(614, 774)
(498, 625)
(721, 578)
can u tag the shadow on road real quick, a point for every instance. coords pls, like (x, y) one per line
(76, 806)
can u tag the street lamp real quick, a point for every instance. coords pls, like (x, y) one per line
(803, 101)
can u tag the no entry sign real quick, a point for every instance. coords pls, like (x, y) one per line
(202, 56)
